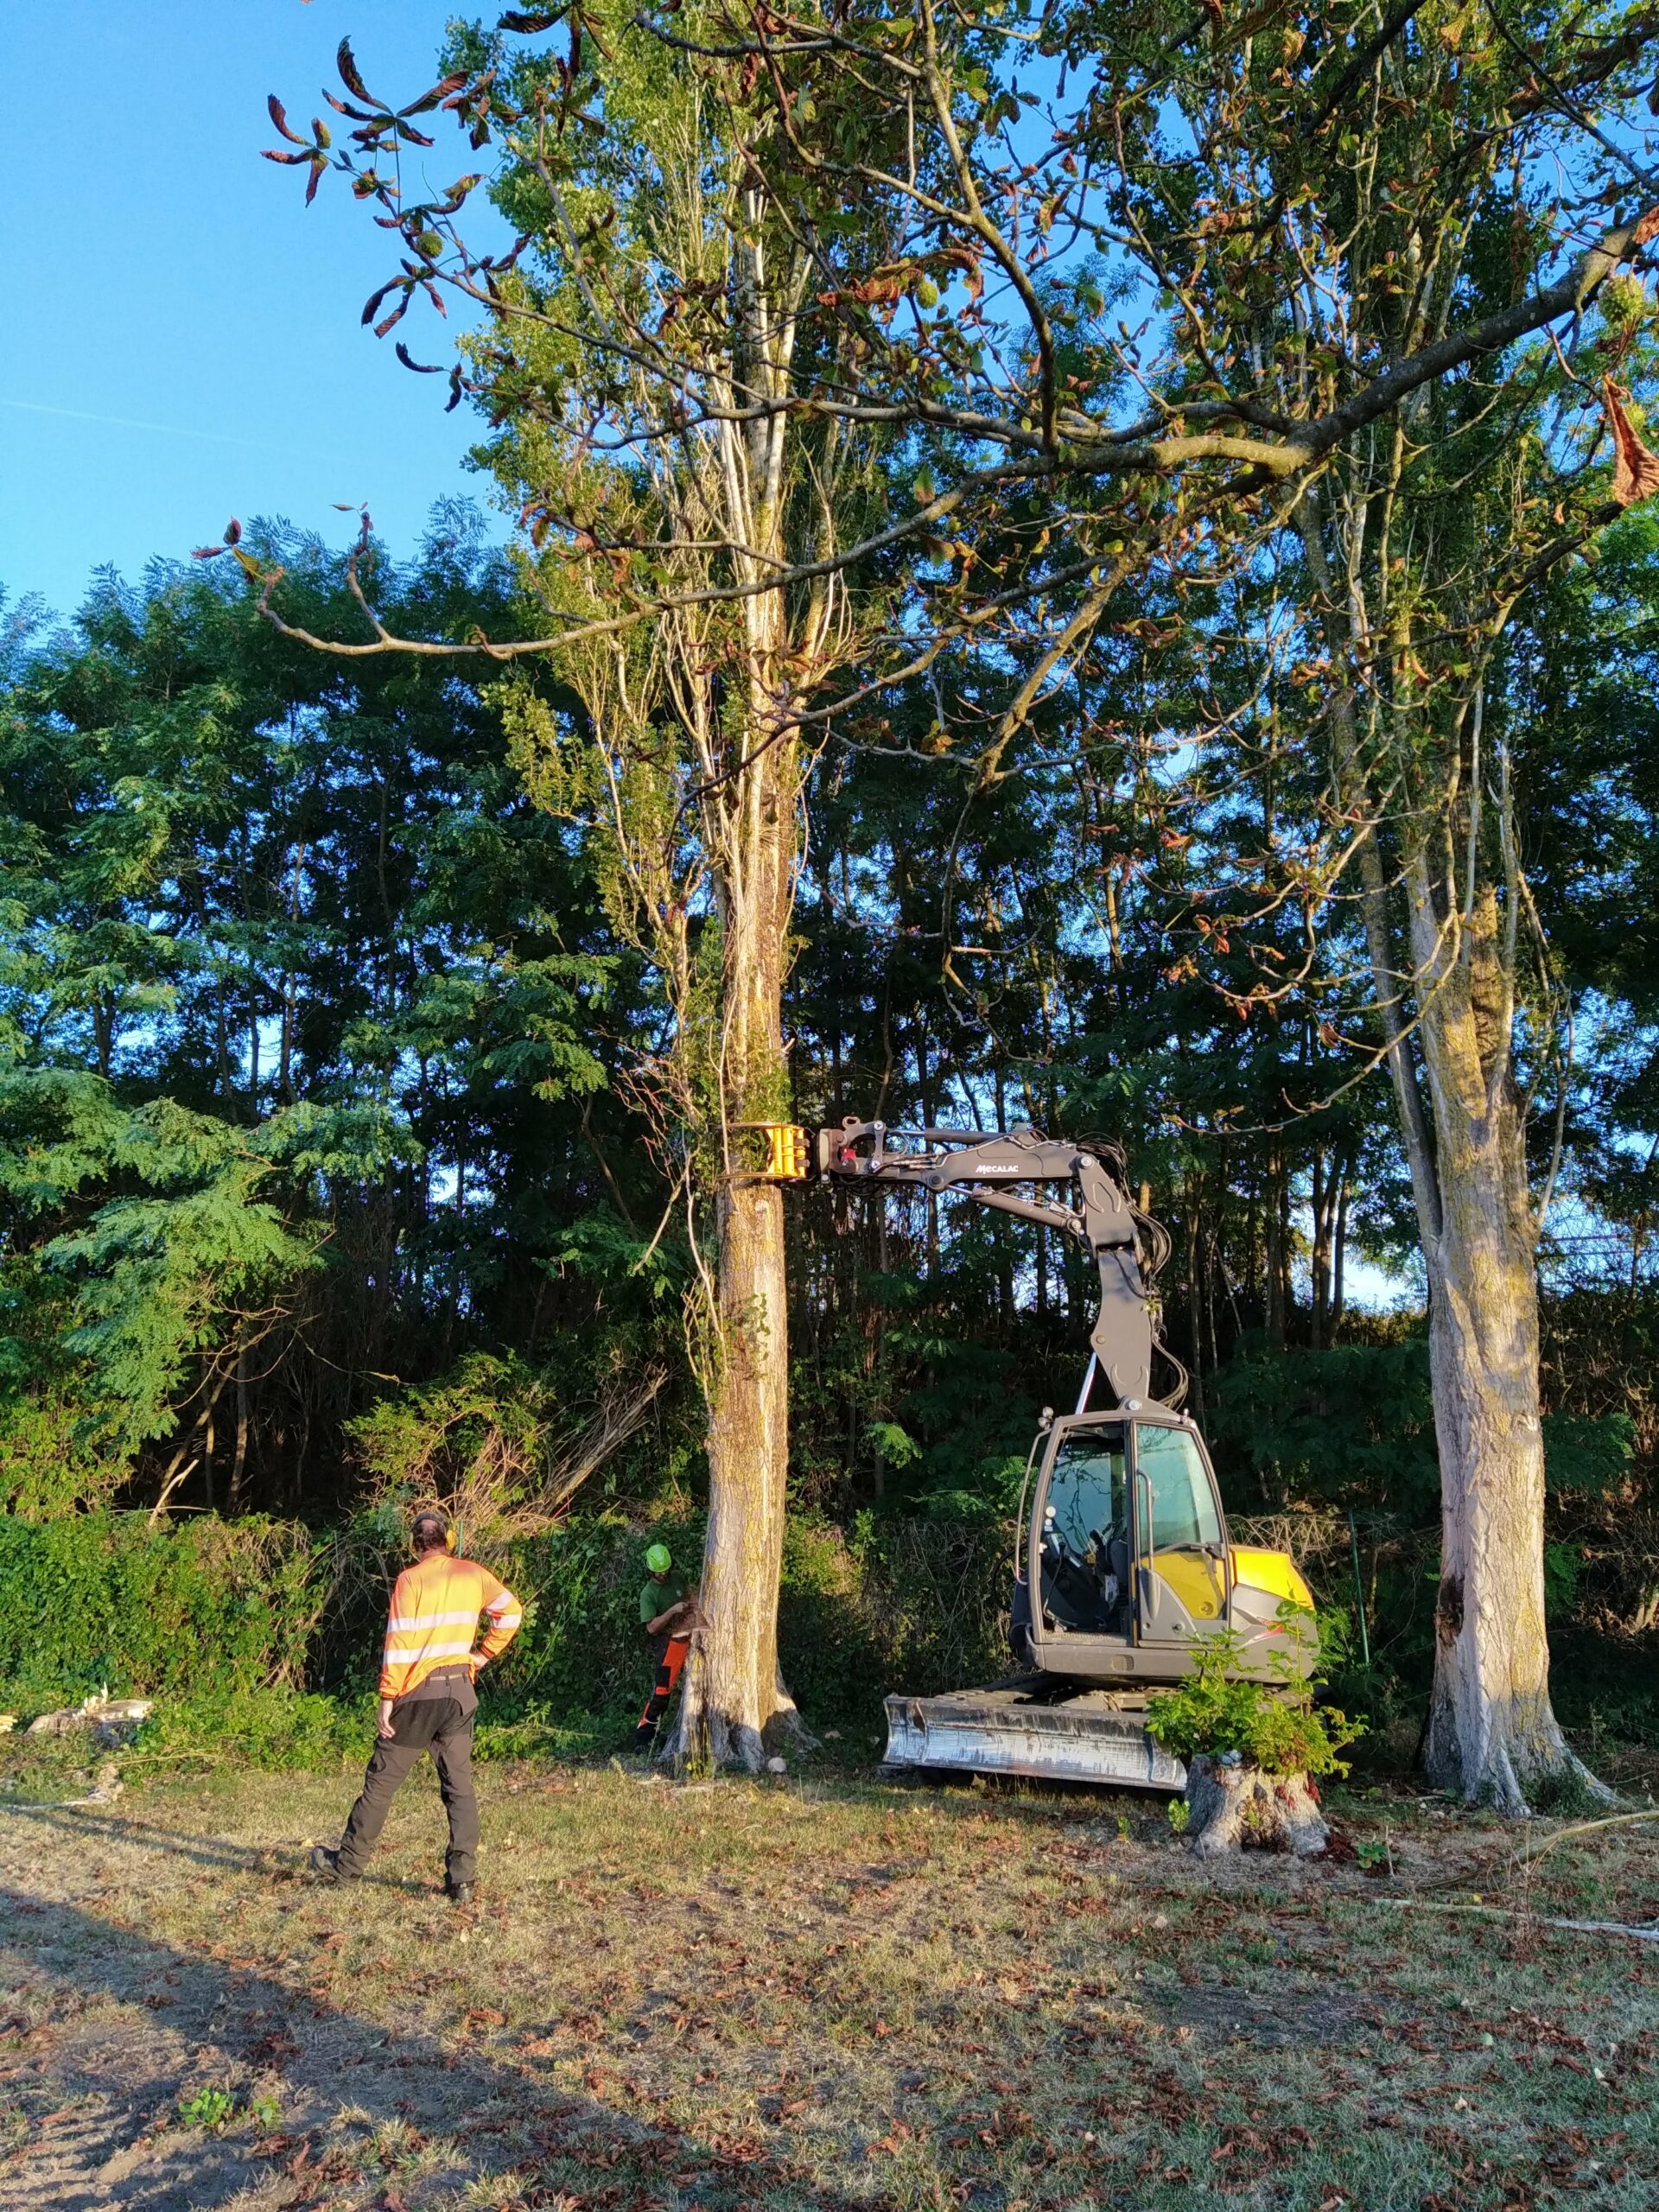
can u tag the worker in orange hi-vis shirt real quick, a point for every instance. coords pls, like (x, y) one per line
(428, 1700)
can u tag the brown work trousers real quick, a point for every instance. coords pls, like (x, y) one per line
(442, 1727)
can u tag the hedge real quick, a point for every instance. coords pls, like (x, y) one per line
(207, 1610)
(202, 1607)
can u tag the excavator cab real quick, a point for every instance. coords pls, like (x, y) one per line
(1127, 1555)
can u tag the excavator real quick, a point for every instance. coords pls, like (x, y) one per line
(1122, 1565)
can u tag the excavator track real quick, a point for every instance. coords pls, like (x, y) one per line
(1033, 1728)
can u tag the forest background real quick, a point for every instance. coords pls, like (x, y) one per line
(334, 1175)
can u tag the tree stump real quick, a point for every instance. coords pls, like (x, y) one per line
(1232, 1807)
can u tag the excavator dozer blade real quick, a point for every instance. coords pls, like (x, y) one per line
(1094, 1735)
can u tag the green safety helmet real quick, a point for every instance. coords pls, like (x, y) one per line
(658, 1560)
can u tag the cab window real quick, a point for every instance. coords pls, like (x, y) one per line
(1084, 1541)
(1184, 1515)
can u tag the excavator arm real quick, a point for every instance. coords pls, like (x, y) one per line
(1092, 1207)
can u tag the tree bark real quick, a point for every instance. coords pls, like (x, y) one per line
(1319, 1257)
(238, 1464)
(1341, 1257)
(1492, 1734)
(1237, 1808)
(1275, 1269)
(735, 1708)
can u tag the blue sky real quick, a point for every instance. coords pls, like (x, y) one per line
(181, 339)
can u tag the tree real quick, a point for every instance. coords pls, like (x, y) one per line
(304, 1032)
(684, 756)
(1408, 204)
(856, 243)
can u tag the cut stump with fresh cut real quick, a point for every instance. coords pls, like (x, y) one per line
(1233, 1806)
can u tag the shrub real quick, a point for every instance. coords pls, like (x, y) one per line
(277, 1730)
(1275, 1726)
(209, 1608)
(236, 1627)
(912, 1604)
(477, 1439)
(47, 1467)
(580, 1651)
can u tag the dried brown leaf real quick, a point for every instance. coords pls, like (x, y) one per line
(1635, 467)
(345, 62)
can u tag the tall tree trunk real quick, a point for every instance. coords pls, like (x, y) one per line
(285, 1049)
(735, 1708)
(743, 501)
(1492, 1733)
(1491, 1730)
(239, 1462)
(1339, 1265)
(1194, 1294)
(1273, 1227)
(1320, 1256)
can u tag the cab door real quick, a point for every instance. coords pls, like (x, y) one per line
(1182, 1570)
(1077, 1543)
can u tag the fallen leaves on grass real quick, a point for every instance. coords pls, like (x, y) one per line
(696, 2022)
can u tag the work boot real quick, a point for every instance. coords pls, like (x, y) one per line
(458, 1892)
(327, 1863)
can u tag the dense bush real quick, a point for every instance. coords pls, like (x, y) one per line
(262, 1639)
(278, 1728)
(917, 1605)
(216, 1619)
(205, 1608)
(1274, 1725)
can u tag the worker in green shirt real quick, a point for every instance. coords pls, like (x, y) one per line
(669, 1614)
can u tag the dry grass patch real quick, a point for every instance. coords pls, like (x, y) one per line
(822, 1995)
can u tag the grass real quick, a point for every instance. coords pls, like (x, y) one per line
(817, 1994)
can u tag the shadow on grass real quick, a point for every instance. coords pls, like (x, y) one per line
(269, 1858)
(1014, 1797)
(117, 2150)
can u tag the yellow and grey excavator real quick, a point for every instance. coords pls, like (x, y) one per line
(1122, 1563)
